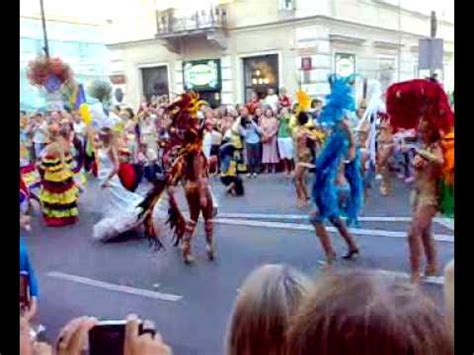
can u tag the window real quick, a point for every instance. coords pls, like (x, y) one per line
(387, 68)
(155, 81)
(260, 74)
(287, 5)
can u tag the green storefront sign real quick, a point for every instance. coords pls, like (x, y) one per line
(202, 75)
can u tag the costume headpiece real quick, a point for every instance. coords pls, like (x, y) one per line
(410, 101)
(304, 101)
(183, 113)
(339, 102)
(424, 101)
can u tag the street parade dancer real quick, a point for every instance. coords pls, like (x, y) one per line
(189, 165)
(367, 131)
(306, 141)
(340, 147)
(385, 150)
(59, 192)
(423, 105)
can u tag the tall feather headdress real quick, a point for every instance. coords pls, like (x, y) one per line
(409, 101)
(304, 101)
(339, 102)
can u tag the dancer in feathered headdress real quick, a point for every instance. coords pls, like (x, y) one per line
(367, 129)
(423, 105)
(191, 165)
(306, 141)
(339, 148)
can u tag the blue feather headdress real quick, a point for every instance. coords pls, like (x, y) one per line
(340, 101)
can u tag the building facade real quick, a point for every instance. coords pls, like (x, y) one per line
(232, 48)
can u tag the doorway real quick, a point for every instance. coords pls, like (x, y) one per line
(260, 74)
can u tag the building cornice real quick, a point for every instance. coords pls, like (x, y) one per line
(67, 20)
(119, 45)
(383, 3)
(300, 21)
(309, 20)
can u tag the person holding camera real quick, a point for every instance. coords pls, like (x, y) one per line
(87, 334)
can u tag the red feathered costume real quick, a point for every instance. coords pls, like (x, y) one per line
(189, 164)
(423, 105)
(408, 101)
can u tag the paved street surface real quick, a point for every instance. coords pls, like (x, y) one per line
(191, 304)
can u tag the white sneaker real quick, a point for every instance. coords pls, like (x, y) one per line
(249, 176)
(254, 175)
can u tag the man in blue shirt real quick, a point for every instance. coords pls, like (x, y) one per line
(252, 134)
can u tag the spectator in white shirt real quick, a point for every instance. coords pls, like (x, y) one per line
(79, 126)
(40, 134)
(272, 100)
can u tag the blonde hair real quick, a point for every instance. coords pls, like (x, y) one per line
(268, 299)
(366, 312)
(54, 147)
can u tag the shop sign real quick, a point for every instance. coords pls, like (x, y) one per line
(345, 64)
(202, 75)
(306, 63)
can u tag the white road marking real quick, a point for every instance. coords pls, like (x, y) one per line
(113, 287)
(446, 222)
(436, 280)
(297, 226)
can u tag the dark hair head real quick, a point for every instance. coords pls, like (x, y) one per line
(295, 107)
(302, 118)
(315, 102)
(363, 312)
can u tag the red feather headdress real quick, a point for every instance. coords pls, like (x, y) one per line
(409, 101)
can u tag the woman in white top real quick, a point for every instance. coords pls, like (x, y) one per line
(119, 206)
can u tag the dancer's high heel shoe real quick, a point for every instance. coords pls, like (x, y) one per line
(187, 256)
(351, 254)
(211, 252)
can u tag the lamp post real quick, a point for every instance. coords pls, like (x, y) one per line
(433, 28)
(45, 35)
(399, 52)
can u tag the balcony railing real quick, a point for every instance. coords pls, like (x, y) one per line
(170, 24)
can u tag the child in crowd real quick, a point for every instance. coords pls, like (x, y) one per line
(148, 159)
(229, 173)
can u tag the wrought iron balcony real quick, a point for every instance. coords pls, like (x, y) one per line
(210, 24)
(170, 25)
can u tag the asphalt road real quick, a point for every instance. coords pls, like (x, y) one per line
(191, 304)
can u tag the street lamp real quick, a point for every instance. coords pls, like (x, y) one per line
(399, 39)
(45, 35)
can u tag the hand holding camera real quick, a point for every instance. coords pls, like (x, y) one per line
(124, 337)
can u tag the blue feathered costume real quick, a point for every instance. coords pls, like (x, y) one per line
(325, 190)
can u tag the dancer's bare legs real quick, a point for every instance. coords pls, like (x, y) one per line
(420, 236)
(300, 183)
(325, 240)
